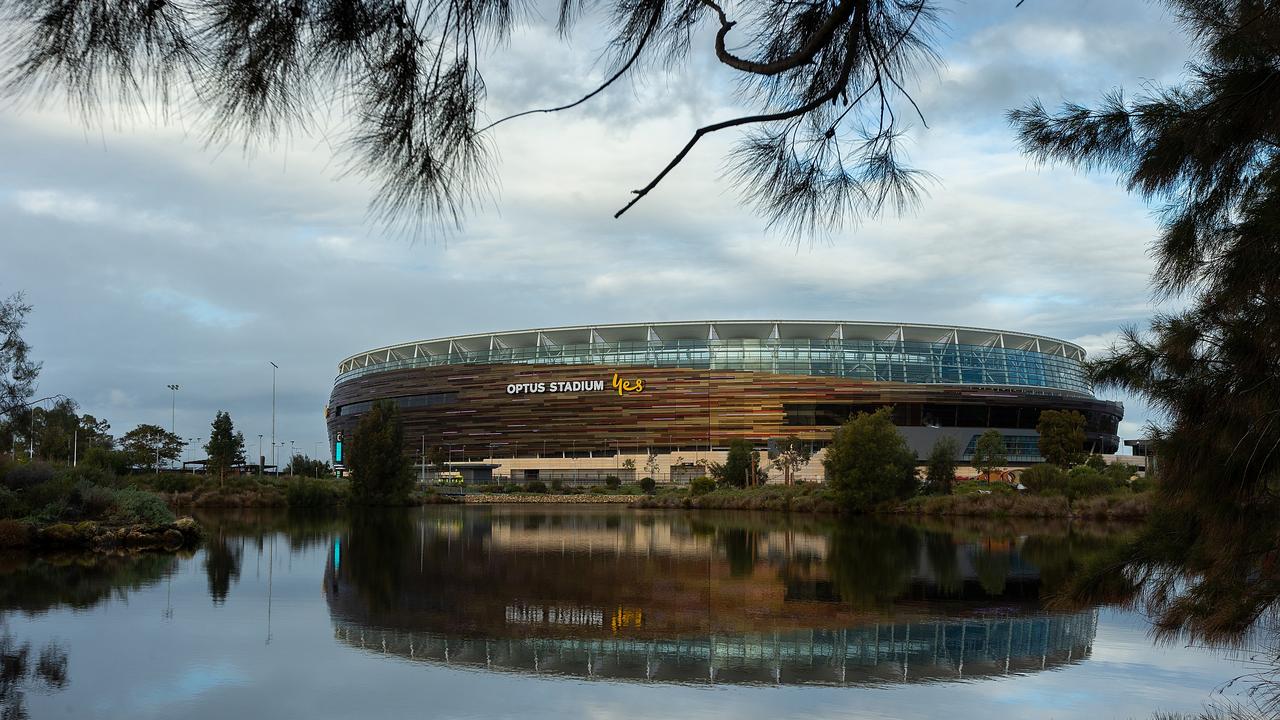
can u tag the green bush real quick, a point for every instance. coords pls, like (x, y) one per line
(175, 483)
(599, 490)
(11, 504)
(1084, 481)
(1142, 484)
(702, 485)
(648, 485)
(26, 475)
(612, 481)
(140, 506)
(312, 492)
(1045, 479)
(510, 488)
(14, 534)
(557, 485)
(535, 486)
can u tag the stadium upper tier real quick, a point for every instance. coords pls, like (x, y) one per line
(925, 354)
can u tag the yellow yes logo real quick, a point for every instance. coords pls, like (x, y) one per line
(627, 386)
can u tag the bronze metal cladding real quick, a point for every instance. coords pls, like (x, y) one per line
(677, 408)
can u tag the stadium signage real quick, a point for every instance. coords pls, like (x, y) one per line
(623, 387)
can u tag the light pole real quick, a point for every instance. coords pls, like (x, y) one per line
(173, 410)
(274, 367)
(292, 453)
(261, 460)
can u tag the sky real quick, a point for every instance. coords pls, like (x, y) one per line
(152, 258)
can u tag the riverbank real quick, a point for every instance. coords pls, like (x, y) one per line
(93, 536)
(549, 499)
(812, 498)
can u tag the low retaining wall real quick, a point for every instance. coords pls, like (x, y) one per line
(584, 499)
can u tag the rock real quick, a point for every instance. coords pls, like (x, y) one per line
(173, 538)
(59, 534)
(187, 527)
(87, 529)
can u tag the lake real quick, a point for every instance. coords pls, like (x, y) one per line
(602, 612)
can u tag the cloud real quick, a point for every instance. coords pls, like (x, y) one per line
(152, 259)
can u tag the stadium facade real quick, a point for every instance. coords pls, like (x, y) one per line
(584, 400)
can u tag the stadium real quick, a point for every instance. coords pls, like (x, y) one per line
(659, 399)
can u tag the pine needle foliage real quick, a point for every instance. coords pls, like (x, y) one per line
(381, 474)
(824, 84)
(1206, 153)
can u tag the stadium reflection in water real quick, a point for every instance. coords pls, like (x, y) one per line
(707, 598)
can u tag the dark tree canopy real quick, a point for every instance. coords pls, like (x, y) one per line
(1207, 153)
(1062, 436)
(869, 462)
(225, 448)
(824, 83)
(150, 445)
(380, 472)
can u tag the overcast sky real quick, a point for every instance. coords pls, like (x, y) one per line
(152, 259)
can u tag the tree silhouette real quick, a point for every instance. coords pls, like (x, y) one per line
(1207, 153)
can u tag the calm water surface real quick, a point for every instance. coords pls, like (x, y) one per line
(520, 611)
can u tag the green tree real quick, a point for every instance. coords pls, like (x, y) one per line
(437, 456)
(18, 372)
(941, 465)
(55, 429)
(792, 454)
(825, 83)
(989, 452)
(1061, 436)
(301, 465)
(869, 462)
(151, 445)
(1206, 152)
(380, 473)
(225, 448)
(742, 466)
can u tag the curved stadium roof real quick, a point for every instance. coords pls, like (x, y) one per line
(890, 352)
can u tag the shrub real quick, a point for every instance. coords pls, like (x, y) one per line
(1142, 483)
(26, 475)
(599, 490)
(175, 483)
(139, 506)
(312, 492)
(1084, 481)
(612, 481)
(557, 485)
(1045, 479)
(702, 485)
(510, 488)
(535, 486)
(11, 505)
(90, 502)
(14, 534)
(648, 485)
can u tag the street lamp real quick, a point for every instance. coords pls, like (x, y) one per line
(173, 410)
(261, 460)
(274, 367)
(292, 453)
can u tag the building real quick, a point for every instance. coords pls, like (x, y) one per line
(581, 403)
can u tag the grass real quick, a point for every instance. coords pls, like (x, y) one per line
(802, 497)
(1113, 506)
